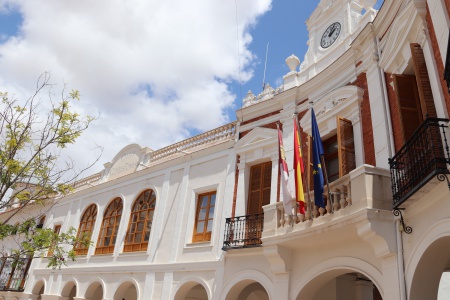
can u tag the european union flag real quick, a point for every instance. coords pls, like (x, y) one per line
(317, 149)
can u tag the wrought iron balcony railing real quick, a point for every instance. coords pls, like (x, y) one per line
(243, 231)
(424, 155)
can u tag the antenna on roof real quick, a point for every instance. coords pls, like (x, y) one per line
(265, 65)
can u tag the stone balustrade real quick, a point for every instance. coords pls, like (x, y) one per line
(88, 180)
(224, 132)
(366, 187)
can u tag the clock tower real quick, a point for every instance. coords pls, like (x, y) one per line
(332, 27)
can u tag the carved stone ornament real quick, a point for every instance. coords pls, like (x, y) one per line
(125, 162)
(330, 104)
(268, 93)
(292, 62)
(249, 99)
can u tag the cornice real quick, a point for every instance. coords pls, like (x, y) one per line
(339, 73)
(134, 267)
(385, 16)
(174, 162)
(405, 29)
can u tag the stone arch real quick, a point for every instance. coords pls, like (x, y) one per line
(428, 261)
(192, 288)
(38, 289)
(95, 290)
(308, 284)
(127, 289)
(69, 290)
(238, 284)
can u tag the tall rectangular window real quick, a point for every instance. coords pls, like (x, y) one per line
(204, 217)
(56, 230)
(259, 187)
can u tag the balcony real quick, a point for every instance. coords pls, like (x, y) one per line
(363, 193)
(243, 231)
(424, 155)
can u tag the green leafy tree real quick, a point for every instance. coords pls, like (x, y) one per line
(33, 136)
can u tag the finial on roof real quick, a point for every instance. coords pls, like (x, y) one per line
(292, 62)
(249, 98)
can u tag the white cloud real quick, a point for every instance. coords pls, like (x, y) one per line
(151, 70)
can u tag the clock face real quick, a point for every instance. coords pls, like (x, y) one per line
(330, 35)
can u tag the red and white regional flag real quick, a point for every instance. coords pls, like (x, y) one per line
(286, 193)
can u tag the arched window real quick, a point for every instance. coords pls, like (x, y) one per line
(41, 222)
(110, 226)
(87, 223)
(138, 232)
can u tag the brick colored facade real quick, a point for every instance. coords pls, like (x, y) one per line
(272, 125)
(260, 117)
(437, 56)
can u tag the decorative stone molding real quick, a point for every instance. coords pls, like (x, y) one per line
(279, 258)
(268, 93)
(125, 162)
(292, 62)
(343, 101)
(249, 99)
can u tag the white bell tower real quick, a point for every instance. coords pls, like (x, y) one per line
(332, 27)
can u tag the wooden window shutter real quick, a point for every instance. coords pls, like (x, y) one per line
(408, 104)
(254, 190)
(266, 183)
(346, 146)
(259, 188)
(423, 82)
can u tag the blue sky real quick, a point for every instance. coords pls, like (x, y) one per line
(284, 28)
(154, 73)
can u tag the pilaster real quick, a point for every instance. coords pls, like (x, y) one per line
(380, 123)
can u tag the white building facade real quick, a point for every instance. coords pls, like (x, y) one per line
(202, 219)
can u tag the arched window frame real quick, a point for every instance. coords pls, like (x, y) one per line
(87, 223)
(110, 226)
(141, 219)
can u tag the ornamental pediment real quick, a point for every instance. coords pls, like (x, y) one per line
(343, 102)
(257, 138)
(125, 162)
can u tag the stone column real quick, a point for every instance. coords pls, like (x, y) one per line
(52, 297)
(378, 112)
(357, 138)
(363, 290)
(274, 183)
(240, 209)
(279, 259)
(281, 286)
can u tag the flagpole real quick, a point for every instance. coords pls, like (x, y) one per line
(306, 172)
(322, 160)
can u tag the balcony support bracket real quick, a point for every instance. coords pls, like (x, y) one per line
(398, 212)
(442, 177)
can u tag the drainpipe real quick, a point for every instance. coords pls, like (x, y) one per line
(387, 111)
(400, 260)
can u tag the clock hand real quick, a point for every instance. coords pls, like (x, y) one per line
(334, 29)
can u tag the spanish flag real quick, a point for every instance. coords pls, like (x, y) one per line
(298, 169)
